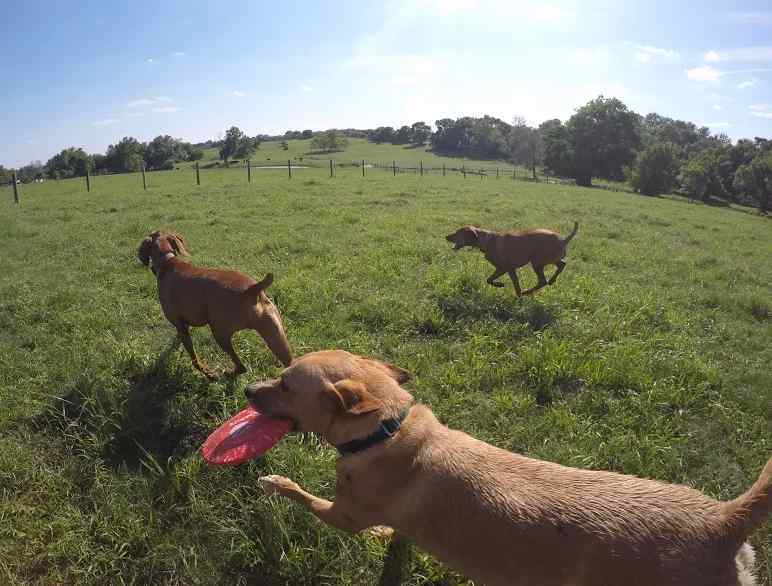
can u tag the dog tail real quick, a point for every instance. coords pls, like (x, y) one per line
(255, 289)
(749, 510)
(568, 238)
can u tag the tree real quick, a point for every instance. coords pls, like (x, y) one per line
(329, 141)
(70, 162)
(403, 135)
(655, 169)
(558, 148)
(420, 133)
(27, 173)
(307, 134)
(126, 156)
(163, 150)
(5, 175)
(605, 137)
(700, 177)
(381, 134)
(755, 179)
(525, 144)
(237, 144)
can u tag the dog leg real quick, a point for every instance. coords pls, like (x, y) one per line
(184, 334)
(542, 280)
(560, 266)
(226, 343)
(515, 282)
(326, 511)
(492, 279)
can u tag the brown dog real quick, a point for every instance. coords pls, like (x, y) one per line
(228, 301)
(501, 518)
(508, 251)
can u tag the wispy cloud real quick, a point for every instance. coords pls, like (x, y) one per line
(761, 111)
(758, 107)
(306, 88)
(767, 115)
(718, 107)
(704, 73)
(135, 114)
(150, 101)
(648, 53)
(150, 60)
(105, 122)
(179, 53)
(238, 94)
(752, 17)
(748, 83)
(718, 124)
(166, 109)
(742, 55)
(449, 6)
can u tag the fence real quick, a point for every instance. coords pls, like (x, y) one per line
(392, 168)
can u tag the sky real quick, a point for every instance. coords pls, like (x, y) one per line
(87, 73)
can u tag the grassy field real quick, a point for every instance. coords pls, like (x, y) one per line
(650, 356)
(358, 149)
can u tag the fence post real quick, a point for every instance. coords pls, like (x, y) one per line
(463, 170)
(394, 167)
(15, 189)
(289, 168)
(422, 168)
(481, 174)
(144, 181)
(513, 173)
(198, 176)
(443, 169)
(363, 167)
(249, 171)
(88, 182)
(331, 171)
(497, 172)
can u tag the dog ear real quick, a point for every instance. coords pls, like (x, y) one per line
(144, 251)
(398, 374)
(352, 397)
(265, 283)
(178, 243)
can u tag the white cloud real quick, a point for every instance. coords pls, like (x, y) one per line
(748, 83)
(743, 54)
(647, 53)
(135, 114)
(704, 73)
(717, 107)
(596, 56)
(758, 107)
(767, 115)
(761, 111)
(718, 124)
(445, 7)
(752, 17)
(165, 109)
(544, 13)
(150, 60)
(238, 94)
(306, 88)
(712, 57)
(179, 53)
(150, 101)
(105, 122)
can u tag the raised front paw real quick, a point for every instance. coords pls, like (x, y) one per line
(275, 484)
(381, 531)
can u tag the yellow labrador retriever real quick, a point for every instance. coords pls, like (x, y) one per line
(501, 518)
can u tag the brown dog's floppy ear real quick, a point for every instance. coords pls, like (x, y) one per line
(265, 283)
(398, 374)
(144, 251)
(178, 243)
(352, 397)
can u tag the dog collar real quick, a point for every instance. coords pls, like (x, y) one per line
(386, 429)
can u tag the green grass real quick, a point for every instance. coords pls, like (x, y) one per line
(650, 356)
(359, 149)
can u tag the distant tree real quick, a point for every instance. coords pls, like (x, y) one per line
(403, 136)
(420, 133)
(191, 152)
(100, 163)
(605, 136)
(525, 145)
(329, 141)
(755, 179)
(34, 170)
(162, 150)
(381, 134)
(486, 137)
(558, 148)
(237, 144)
(126, 156)
(307, 134)
(69, 162)
(5, 175)
(655, 169)
(700, 178)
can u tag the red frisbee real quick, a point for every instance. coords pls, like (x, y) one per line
(247, 434)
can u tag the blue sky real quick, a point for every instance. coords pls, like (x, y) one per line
(88, 73)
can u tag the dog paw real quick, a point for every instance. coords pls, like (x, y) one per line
(495, 284)
(275, 484)
(381, 532)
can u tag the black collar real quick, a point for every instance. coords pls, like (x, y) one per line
(386, 429)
